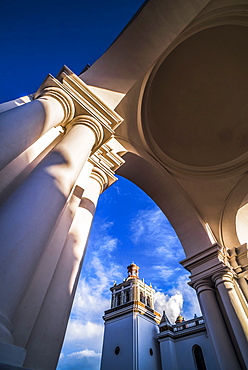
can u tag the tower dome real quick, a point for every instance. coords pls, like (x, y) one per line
(179, 319)
(133, 271)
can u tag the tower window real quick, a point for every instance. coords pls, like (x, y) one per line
(148, 302)
(127, 296)
(151, 351)
(198, 356)
(118, 299)
(142, 297)
(117, 350)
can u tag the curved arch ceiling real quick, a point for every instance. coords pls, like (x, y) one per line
(197, 105)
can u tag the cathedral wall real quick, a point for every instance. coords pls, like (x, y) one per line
(118, 333)
(148, 347)
(181, 357)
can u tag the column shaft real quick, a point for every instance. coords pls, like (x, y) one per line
(244, 287)
(22, 126)
(216, 327)
(51, 324)
(234, 311)
(27, 312)
(29, 215)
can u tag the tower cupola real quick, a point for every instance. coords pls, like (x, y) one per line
(133, 271)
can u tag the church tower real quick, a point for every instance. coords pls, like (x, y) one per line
(130, 336)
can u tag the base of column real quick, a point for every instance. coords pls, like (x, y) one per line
(11, 357)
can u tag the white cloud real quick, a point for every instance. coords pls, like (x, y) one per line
(191, 304)
(165, 272)
(83, 360)
(151, 228)
(172, 305)
(77, 331)
(84, 353)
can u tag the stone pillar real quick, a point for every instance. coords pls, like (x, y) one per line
(29, 215)
(22, 126)
(28, 310)
(50, 326)
(215, 326)
(244, 286)
(236, 315)
(15, 103)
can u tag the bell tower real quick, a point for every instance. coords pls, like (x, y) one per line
(131, 326)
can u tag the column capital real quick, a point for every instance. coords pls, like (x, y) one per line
(223, 276)
(63, 98)
(93, 124)
(202, 285)
(100, 177)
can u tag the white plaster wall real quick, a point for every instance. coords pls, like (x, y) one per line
(118, 332)
(183, 349)
(147, 338)
(168, 355)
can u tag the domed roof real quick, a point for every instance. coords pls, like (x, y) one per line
(179, 319)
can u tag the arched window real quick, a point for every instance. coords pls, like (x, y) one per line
(142, 298)
(148, 302)
(198, 356)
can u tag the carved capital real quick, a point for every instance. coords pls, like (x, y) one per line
(63, 98)
(100, 177)
(223, 276)
(202, 285)
(93, 124)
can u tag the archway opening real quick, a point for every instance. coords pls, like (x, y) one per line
(241, 223)
(128, 226)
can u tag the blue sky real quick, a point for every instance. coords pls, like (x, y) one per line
(139, 233)
(38, 38)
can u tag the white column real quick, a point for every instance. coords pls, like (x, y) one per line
(234, 311)
(244, 286)
(29, 215)
(216, 327)
(51, 324)
(15, 103)
(28, 310)
(22, 126)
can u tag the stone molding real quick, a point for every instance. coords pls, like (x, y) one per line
(63, 98)
(182, 330)
(100, 177)
(203, 285)
(238, 257)
(106, 159)
(93, 124)
(224, 276)
(130, 307)
(85, 102)
(205, 263)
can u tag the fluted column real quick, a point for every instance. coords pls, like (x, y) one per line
(29, 215)
(215, 326)
(232, 306)
(51, 324)
(22, 126)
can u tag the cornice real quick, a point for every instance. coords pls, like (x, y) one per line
(85, 99)
(131, 307)
(182, 333)
(206, 263)
(107, 161)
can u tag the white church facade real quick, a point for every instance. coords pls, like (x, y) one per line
(136, 337)
(165, 107)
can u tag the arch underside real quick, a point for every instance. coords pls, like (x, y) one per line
(188, 150)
